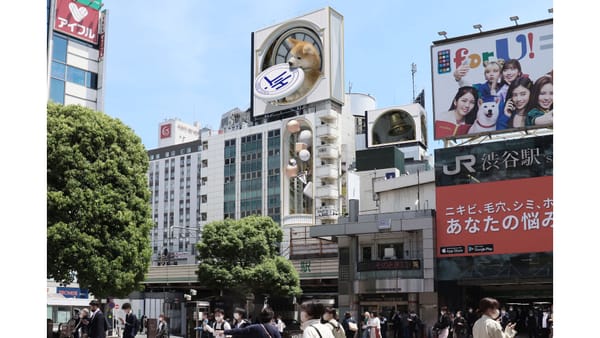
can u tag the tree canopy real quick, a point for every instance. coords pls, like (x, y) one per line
(243, 255)
(99, 217)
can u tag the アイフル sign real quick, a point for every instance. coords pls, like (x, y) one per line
(74, 19)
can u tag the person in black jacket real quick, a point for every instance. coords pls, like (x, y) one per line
(532, 324)
(460, 326)
(239, 318)
(397, 324)
(98, 326)
(346, 325)
(263, 329)
(443, 324)
(471, 319)
(130, 322)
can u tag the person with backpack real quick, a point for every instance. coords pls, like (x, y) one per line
(310, 315)
(219, 324)
(330, 318)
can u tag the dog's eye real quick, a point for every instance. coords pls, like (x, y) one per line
(298, 57)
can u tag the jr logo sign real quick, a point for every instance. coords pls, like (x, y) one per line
(467, 161)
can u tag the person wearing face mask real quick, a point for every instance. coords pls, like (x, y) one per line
(504, 318)
(310, 315)
(471, 319)
(488, 326)
(239, 318)
(219, 324)
(460, 326)
(443, 324)
(263, 329)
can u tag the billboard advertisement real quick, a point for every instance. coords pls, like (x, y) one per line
(494, 161)
(77, 20)
(394, 125)
(493, 82)
(298, 62)
(495, 197)
(503, 217)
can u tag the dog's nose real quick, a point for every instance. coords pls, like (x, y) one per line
(290, 63)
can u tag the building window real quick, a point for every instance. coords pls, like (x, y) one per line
(203, 216)
(57, 91)
(59, 48)
(58, 70)
(204, 145)
(390, 251)
(366, 253)
(76, 75)
(204, 198)
(91, 80)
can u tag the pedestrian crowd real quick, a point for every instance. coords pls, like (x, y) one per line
(489, 320)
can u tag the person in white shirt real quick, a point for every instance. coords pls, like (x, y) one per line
(488, 325)
(310, 315)
(375, 324)
(220, 324)
(280, 324)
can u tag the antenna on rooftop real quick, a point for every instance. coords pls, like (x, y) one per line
(413, 70)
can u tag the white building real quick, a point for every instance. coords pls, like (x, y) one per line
(75, 57)
(175, 131)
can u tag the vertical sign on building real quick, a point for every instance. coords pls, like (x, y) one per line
(101, 34)
(77, 20)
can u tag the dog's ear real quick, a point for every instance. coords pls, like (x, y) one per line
(480, 102)
(307, 49)
(292, 41)
(497, 99)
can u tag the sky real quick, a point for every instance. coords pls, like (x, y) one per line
(191, 59)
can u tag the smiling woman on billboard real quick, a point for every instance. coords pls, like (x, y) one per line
(543, 101)
(461, 115)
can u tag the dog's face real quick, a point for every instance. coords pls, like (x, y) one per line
(304, 55)
(488, 112)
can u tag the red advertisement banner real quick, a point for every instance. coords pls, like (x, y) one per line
(504, 217)
(76, 20)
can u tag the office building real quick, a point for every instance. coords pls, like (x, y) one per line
(76, 41)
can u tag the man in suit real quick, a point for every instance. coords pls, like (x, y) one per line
(131, 324)
(97, 327)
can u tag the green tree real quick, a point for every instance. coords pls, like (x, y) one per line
(99, 217)
(242, 255)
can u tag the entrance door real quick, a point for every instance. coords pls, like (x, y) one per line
(385, 307)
